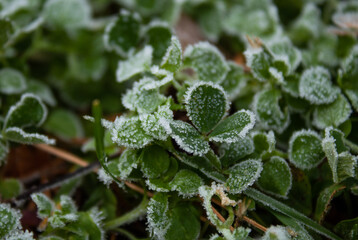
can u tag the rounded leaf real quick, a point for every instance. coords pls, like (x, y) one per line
(206, 105)
(172, 59)
(305, 150)
(154, 161)
(186, 183)
(11, 81)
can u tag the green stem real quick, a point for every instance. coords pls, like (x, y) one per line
(351, 145)
(129, 217)
(129, 235)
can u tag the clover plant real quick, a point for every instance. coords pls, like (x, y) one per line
(246, 131)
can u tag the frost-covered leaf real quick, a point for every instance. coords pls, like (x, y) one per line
(172, 59)
(268, 111)
(67, 14)
(291, 85)
(18, 135)
(11, 81)
(158, 35)
(29, 111)
(206, 105)
(186, 183)
(259, 62)
(9, 220)
(135, 64)
(4, 150)
(315, 86)
(158, 215)
(276, 233)
(233, 128)
(263, 142)
(243, 175)
(7, 30)
(128, 132)
(234, 81)
(208, 63)
(154, 161)
(188, 138)
(154, 124)
(142, 100)
(20, 235)
(333, 145)
(276, 177)
(348, 229)
(124, 165)
(41, 90)
(346, 166)
(122, 35)
(45, 206)
(231, 153)
(64, 124)
(332, 114)
(305, 150)
(163, 77)
(10, 187)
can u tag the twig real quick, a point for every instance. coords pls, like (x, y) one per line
(254, 223)
(221, 218)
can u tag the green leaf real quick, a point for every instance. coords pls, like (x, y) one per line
(243, 175)
(10, 188)
(186, 183)
(125, 164)
(122, 35)
(45, 206)
(346, 166)
(206, 105)
(315, 86)
(206, 60)
(324, 199)
(154, 124)
(268, 111)
(263, 142)
(172, 59)
(305, 150)
(276, 233)
(11, 81)
(230, 153)
(259, 62)
(7, 30)
(64, 124)
(282, 208)
(67, 14)
(233, 128)
(188, 138)
(154, 161)
(135, 64)
(29, 111)
(276, 177)
(128, 132)
(141, 99)
(158, 35)
(333, 114)
(18, 135)
(41, 90)
(291, 85)
(158, 215)
(347, 228)
(300, 233)
(4, 150)
(234, 81)
(9, 220)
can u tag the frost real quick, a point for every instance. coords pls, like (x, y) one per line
(142, 100)
(127, 162)
(19, 235)
(264, 142)
(276, 233)
(164, 77)
(243, 175)
(4, 150)
(172, 59)
(276, 177)
(9, 7)
(154, 161)
(315, 86)
(259, 62)
(9, 220)
(45, 206)
(230, 153)
(308, 24)
(29, 111)
(276, 74)
(206, 104)
(105, 123)
(11, 81)
(235, 80)
(104, 177)
(157, 185)
(186, 183)
(187, 137)
(128, 132)
(268, 111)
(135, 64)
(97, 217)
(332, 114)
(122, 34)
(157, 216)
(234, 127)
(208, 63)
(18, 135)
(305, 150)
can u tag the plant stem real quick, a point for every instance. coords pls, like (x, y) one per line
(129, 217)
(129, 235)
(351, 145)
